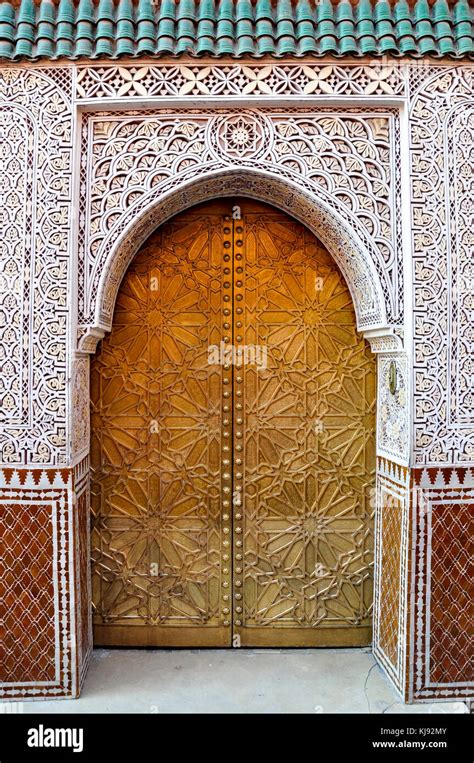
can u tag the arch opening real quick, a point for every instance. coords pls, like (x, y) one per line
(214, 476)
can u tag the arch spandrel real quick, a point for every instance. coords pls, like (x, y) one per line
(331, 171)
(350, 254)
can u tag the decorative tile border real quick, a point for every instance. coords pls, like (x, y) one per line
(36, 528)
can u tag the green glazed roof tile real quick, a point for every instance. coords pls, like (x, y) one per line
(104, 11)
(105, 28)
(441, 11)
(7, 35)
(53, 29)
(402, 11)
(244, 10)
(64, 32)
(366, 28)
(24, 32)
(304, 28)
(307, 45)
(6, 49)
(26, 12)
(304, 11)
(226, 10)
(265, 46)
(144, 11)
(7, 15)
(65, 14)
(383, 11)
(284, 11)
(263, 28)
(344, 11)
(285, 28)
(326, 28)
(461, 11)
(165, 46)
(325, 10)
(125, 11)
(85, 11)
(145, 30)
(367, 45)
(245, 46)
(328, 45)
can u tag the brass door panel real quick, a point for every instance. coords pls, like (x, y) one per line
(232, 496)
(157, 542)
(303, 574)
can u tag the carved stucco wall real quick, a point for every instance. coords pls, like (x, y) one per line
(441, 164)
(348, 158)
(36, 120)
(67, 237)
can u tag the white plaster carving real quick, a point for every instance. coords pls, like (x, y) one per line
(36, 116)
(15, 276)
(393, 424)
(333, 166)
(441, 137)
(252, 80)
(80, 413)
(334, 171)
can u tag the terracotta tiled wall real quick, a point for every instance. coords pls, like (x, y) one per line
(442, 616)
(391, 569)
(39, 582)
(27, 591)
(424, 592)
(423, 600)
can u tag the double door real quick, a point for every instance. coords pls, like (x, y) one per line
(232, 442)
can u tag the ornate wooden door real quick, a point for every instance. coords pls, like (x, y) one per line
(233, 442)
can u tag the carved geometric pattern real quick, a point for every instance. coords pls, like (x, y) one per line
(156, 427)
(35, 584)
(442, 584)
(80, 407)
(442, 130)
(451, 602)
(391, 570)
(251, 81)
(240, 136)
(15, 245)
(36, 214)
(342, 163)
(459, 139)
(27, 592)
(308, 435)
(83, 594)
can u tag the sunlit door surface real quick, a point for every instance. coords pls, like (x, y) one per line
(233, 414)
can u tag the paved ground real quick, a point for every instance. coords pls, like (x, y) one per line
(242, 681)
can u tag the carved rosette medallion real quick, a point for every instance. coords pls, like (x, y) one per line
(240, 137)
